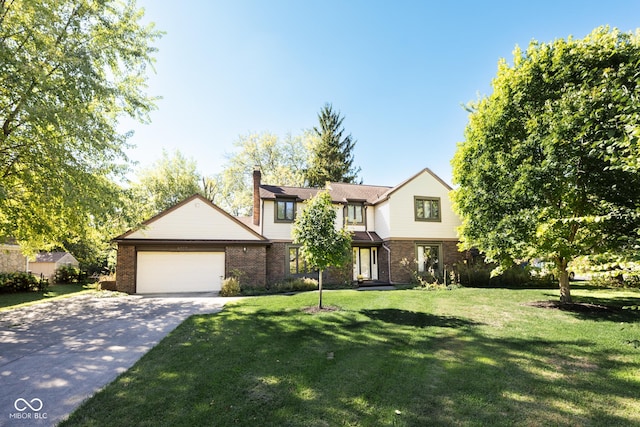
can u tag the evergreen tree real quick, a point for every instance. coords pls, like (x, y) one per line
(332, 157)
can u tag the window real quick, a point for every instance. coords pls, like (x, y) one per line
(285, 210)
(296, 263)
(355, 214)
(428, 256)
(427, 208)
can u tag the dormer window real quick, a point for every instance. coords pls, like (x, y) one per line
(285, 210)
(355, 213)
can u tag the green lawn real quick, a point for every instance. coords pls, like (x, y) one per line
(467, 357)
(8, 301)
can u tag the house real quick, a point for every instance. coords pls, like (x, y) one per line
(46, 263)
(11, 259)
(194, 245)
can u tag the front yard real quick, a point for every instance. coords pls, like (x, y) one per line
(11, 300)
(467, 357)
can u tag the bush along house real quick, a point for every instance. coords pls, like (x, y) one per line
(397, 232)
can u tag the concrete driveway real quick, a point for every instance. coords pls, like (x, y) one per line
(56, 354)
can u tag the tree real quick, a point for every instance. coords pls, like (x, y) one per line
(68, 71)
(167, 182)
(323, 245)
(549, 165)
(332, 157)
(281, 162)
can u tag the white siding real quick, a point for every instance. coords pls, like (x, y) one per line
(282, 230)
(382, 219)
(276, 230)
(194, 220)
(401, 216)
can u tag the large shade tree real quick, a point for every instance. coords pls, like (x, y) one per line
(549, 165)
(332, 156)
(323, 244)
(69, 69)
(169, 180)
(282, 161)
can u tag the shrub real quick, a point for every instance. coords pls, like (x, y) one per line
(478, 274)
(615, 281)
(21, 282)
(230, 287)
(296, 284)
(68, 274)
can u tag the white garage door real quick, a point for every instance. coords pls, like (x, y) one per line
(179, 272)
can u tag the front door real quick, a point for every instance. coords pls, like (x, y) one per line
(365, 263)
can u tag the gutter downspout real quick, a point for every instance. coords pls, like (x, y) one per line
(384, 245)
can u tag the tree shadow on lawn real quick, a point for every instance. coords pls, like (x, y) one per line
(272, 367)
(417, 319)
(615, 309)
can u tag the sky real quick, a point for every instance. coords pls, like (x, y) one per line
(399, 72)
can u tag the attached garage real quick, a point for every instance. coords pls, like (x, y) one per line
(190, 247)
(160, 272)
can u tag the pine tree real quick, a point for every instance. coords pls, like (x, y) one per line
(332, 157)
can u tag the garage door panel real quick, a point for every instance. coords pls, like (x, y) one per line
(179, 271)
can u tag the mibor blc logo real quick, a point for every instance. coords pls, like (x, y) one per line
(28, 409)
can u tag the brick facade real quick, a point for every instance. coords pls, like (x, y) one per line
(276, 259)
(126, 269)
(249, 261)
(261, 265)
(406, 250)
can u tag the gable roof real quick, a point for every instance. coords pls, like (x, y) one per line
(386, 195)
(221, 214)
(342, 192)
(51, 256)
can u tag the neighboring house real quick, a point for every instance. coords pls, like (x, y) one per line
(11, 259)
(46, 263)
(195, 244)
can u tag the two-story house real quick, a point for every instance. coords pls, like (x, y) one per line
(192, 246)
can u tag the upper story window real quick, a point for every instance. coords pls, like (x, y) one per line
(285, 210)
(427, 208)
(355, 213)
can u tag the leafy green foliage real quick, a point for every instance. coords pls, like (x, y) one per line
(323, 244)
(230, 287)
(68, 71)
(171, 179)
(549, 165)
(281, 162)
(69, 274)
(21, 282)
(332, 157)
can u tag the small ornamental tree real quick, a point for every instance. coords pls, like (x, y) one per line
(323, 245)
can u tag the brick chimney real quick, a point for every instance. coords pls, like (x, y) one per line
(257, 177)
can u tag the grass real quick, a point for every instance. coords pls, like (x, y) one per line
(468, 357)
(8, 301)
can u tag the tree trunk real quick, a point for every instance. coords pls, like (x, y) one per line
(565, 289)
(320, 289)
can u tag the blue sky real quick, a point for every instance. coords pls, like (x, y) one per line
(399, 71)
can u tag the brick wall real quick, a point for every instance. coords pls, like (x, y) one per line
(11, 259)
(406, 249)
(276, 262)
(126, 269)
(251, 263)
